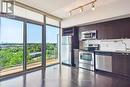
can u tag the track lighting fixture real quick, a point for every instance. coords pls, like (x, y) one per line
(80, 8)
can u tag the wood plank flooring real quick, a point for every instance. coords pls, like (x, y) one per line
(65, 76)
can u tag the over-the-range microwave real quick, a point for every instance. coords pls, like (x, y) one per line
(89, 35)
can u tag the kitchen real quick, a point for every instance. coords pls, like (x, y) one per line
(103, 47)
(64, 43)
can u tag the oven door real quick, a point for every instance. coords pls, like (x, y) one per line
(86, 60)
(86, 57)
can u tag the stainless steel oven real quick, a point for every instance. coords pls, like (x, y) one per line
(86, 56)
(86, 60)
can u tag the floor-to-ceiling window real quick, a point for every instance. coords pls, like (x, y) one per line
(20, 45)
(52, 44)
(34, 45)
(22, 40)
(11, 46)
(52, 41)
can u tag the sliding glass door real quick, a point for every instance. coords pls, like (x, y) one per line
(52, 45)
(11, 46)
(34, 45)
(12, 42)
(21, 45)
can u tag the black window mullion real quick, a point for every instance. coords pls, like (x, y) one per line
(25, 46)
(44, 43)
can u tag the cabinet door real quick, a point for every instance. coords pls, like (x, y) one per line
(119, 63)
(102, 33)
(127, 33)
(67, 31)
(127, 65)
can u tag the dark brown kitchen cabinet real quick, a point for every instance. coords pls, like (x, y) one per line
(102, 34)
(115, 29)
(118, 62)
(128, 65)
(68, 31)
(121, 63)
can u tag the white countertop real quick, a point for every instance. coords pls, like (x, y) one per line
(118, 51)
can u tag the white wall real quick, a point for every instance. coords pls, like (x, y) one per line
(22, 12)
(115, 10)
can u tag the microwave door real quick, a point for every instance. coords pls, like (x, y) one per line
(89, 35)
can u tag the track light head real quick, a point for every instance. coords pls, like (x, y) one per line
(81, 9)
(70, 13)
(93, 6)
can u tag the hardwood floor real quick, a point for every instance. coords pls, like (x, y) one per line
(65, 76)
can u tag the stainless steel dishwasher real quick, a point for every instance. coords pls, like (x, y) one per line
(103, 61)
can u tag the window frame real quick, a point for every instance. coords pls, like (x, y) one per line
(25, 21)
(43, 24)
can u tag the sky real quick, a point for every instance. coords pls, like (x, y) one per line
(11, 31)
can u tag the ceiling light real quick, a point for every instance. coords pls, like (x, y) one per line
(70, 13)
(81, 9)
(93, 6)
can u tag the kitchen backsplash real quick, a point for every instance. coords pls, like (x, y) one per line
(110, 44)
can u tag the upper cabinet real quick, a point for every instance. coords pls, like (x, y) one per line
(67, 31)
(116, 29)
(71, 31)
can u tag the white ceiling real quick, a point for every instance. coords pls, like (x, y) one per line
(60, 8)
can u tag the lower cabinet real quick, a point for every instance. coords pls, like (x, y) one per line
(118, 63)
(104, 62)
(121, 63)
